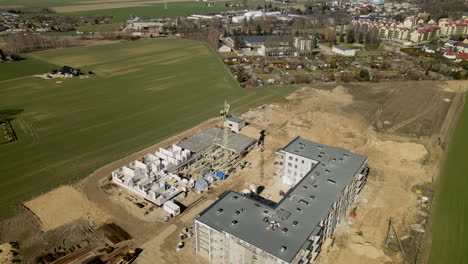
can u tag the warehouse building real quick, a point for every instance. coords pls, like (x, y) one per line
(239, 229)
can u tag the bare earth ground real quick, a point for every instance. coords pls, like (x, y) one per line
(5, 253)
(68, 205)
(401, 127)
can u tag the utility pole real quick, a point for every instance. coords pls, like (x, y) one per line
(390, 225)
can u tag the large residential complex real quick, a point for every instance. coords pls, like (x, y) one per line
(240, 229)
(412, 29)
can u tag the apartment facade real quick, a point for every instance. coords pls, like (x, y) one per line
(241, 229)
(449, 27)
(425, 34)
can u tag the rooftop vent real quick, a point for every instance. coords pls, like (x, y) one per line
(304, 187)
(283, 249)
(235, 197)
(319, 155)
(345, 155)
(331, 181)
(284, 230)
(298, 209)
(320, 147)
(295, 223)
(304, 202)
(312, 197)
(234, 222)
(327, 171)
(315, 186)
(265, 212)
(220, 210)
(237, 212)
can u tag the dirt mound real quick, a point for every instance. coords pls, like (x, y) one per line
(69, 205)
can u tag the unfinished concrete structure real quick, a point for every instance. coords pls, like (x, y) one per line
(157, 176)
(150, 179)
(240, 229)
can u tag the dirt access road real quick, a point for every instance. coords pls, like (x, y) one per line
(401, 127)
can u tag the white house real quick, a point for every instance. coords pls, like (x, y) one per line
(224, 48)
(344, 51)
(234, 123)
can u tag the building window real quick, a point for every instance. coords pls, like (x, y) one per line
(302, 161)
(296, 159)
(295, 166)
(290, 158)
(289, 164)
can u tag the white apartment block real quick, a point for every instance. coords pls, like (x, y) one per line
(303, 44)
(239, 229)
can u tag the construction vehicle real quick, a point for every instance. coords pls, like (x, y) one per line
(130, 256)
(180, 246)
(353, 212)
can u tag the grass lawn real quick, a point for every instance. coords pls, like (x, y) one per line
(142, 92)
(26, 67)
(450, 218)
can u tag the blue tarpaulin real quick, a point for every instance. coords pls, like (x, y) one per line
(220, 175)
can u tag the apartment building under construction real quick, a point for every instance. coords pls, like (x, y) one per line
(241, 229)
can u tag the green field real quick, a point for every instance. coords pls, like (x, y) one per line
(450, 218)
(155, 10)
(142, 92)
(151, 10)
(27, 66)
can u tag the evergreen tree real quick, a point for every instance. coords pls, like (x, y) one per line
(259, 29)
(350, 37)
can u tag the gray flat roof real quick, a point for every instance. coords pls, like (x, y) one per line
(342, 47)
(235, 119)
(266, 38)
(300, 211)
(202, 140)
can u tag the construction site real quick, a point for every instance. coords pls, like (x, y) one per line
(401, 130)
(193, 164)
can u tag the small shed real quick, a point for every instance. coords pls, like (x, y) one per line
(234, 123)
(201, 185)
(171, 208)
